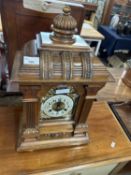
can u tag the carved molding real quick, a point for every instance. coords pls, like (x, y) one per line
(30, 134)
(94, 88)
(29, 91)
(65, 65)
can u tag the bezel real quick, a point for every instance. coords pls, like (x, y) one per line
(51, 93)
(49, 103)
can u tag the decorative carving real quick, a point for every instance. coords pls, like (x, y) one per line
(59, 92)
(29, 91)
(64, 26)
(94, 88)
(30, 134)
(65, 65)
(30, 109)
(57, 135)
(58, 102)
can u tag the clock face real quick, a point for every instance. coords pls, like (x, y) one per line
(57, 106)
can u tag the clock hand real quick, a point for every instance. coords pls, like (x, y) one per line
(58, 106)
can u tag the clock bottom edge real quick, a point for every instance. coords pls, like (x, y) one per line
(48, 144)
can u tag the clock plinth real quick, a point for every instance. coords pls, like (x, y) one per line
(59, 83)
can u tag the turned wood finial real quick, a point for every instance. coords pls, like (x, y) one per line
(67, 10)
(64, 27)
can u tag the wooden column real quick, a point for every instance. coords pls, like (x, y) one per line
(30, 113)
(90, 95)
(30, 120)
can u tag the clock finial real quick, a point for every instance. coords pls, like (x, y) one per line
(67, 10)
(64, 27)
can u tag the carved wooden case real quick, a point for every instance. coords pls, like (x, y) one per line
(59, 84)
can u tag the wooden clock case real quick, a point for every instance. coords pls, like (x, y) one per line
(59, 65)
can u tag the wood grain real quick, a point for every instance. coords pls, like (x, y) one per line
(90, 32)
(33, 80)
(21, 25)
(103, 129)
(115, 90)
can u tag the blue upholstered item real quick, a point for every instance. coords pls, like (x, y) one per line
(113, 41)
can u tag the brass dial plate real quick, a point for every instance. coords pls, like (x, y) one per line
(57, 106)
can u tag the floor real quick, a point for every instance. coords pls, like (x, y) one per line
(117, 60)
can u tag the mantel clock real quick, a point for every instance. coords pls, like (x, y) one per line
(59, 82)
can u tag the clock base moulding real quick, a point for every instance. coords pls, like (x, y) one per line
(38, 143)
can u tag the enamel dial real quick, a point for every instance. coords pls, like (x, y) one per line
(57, 106)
